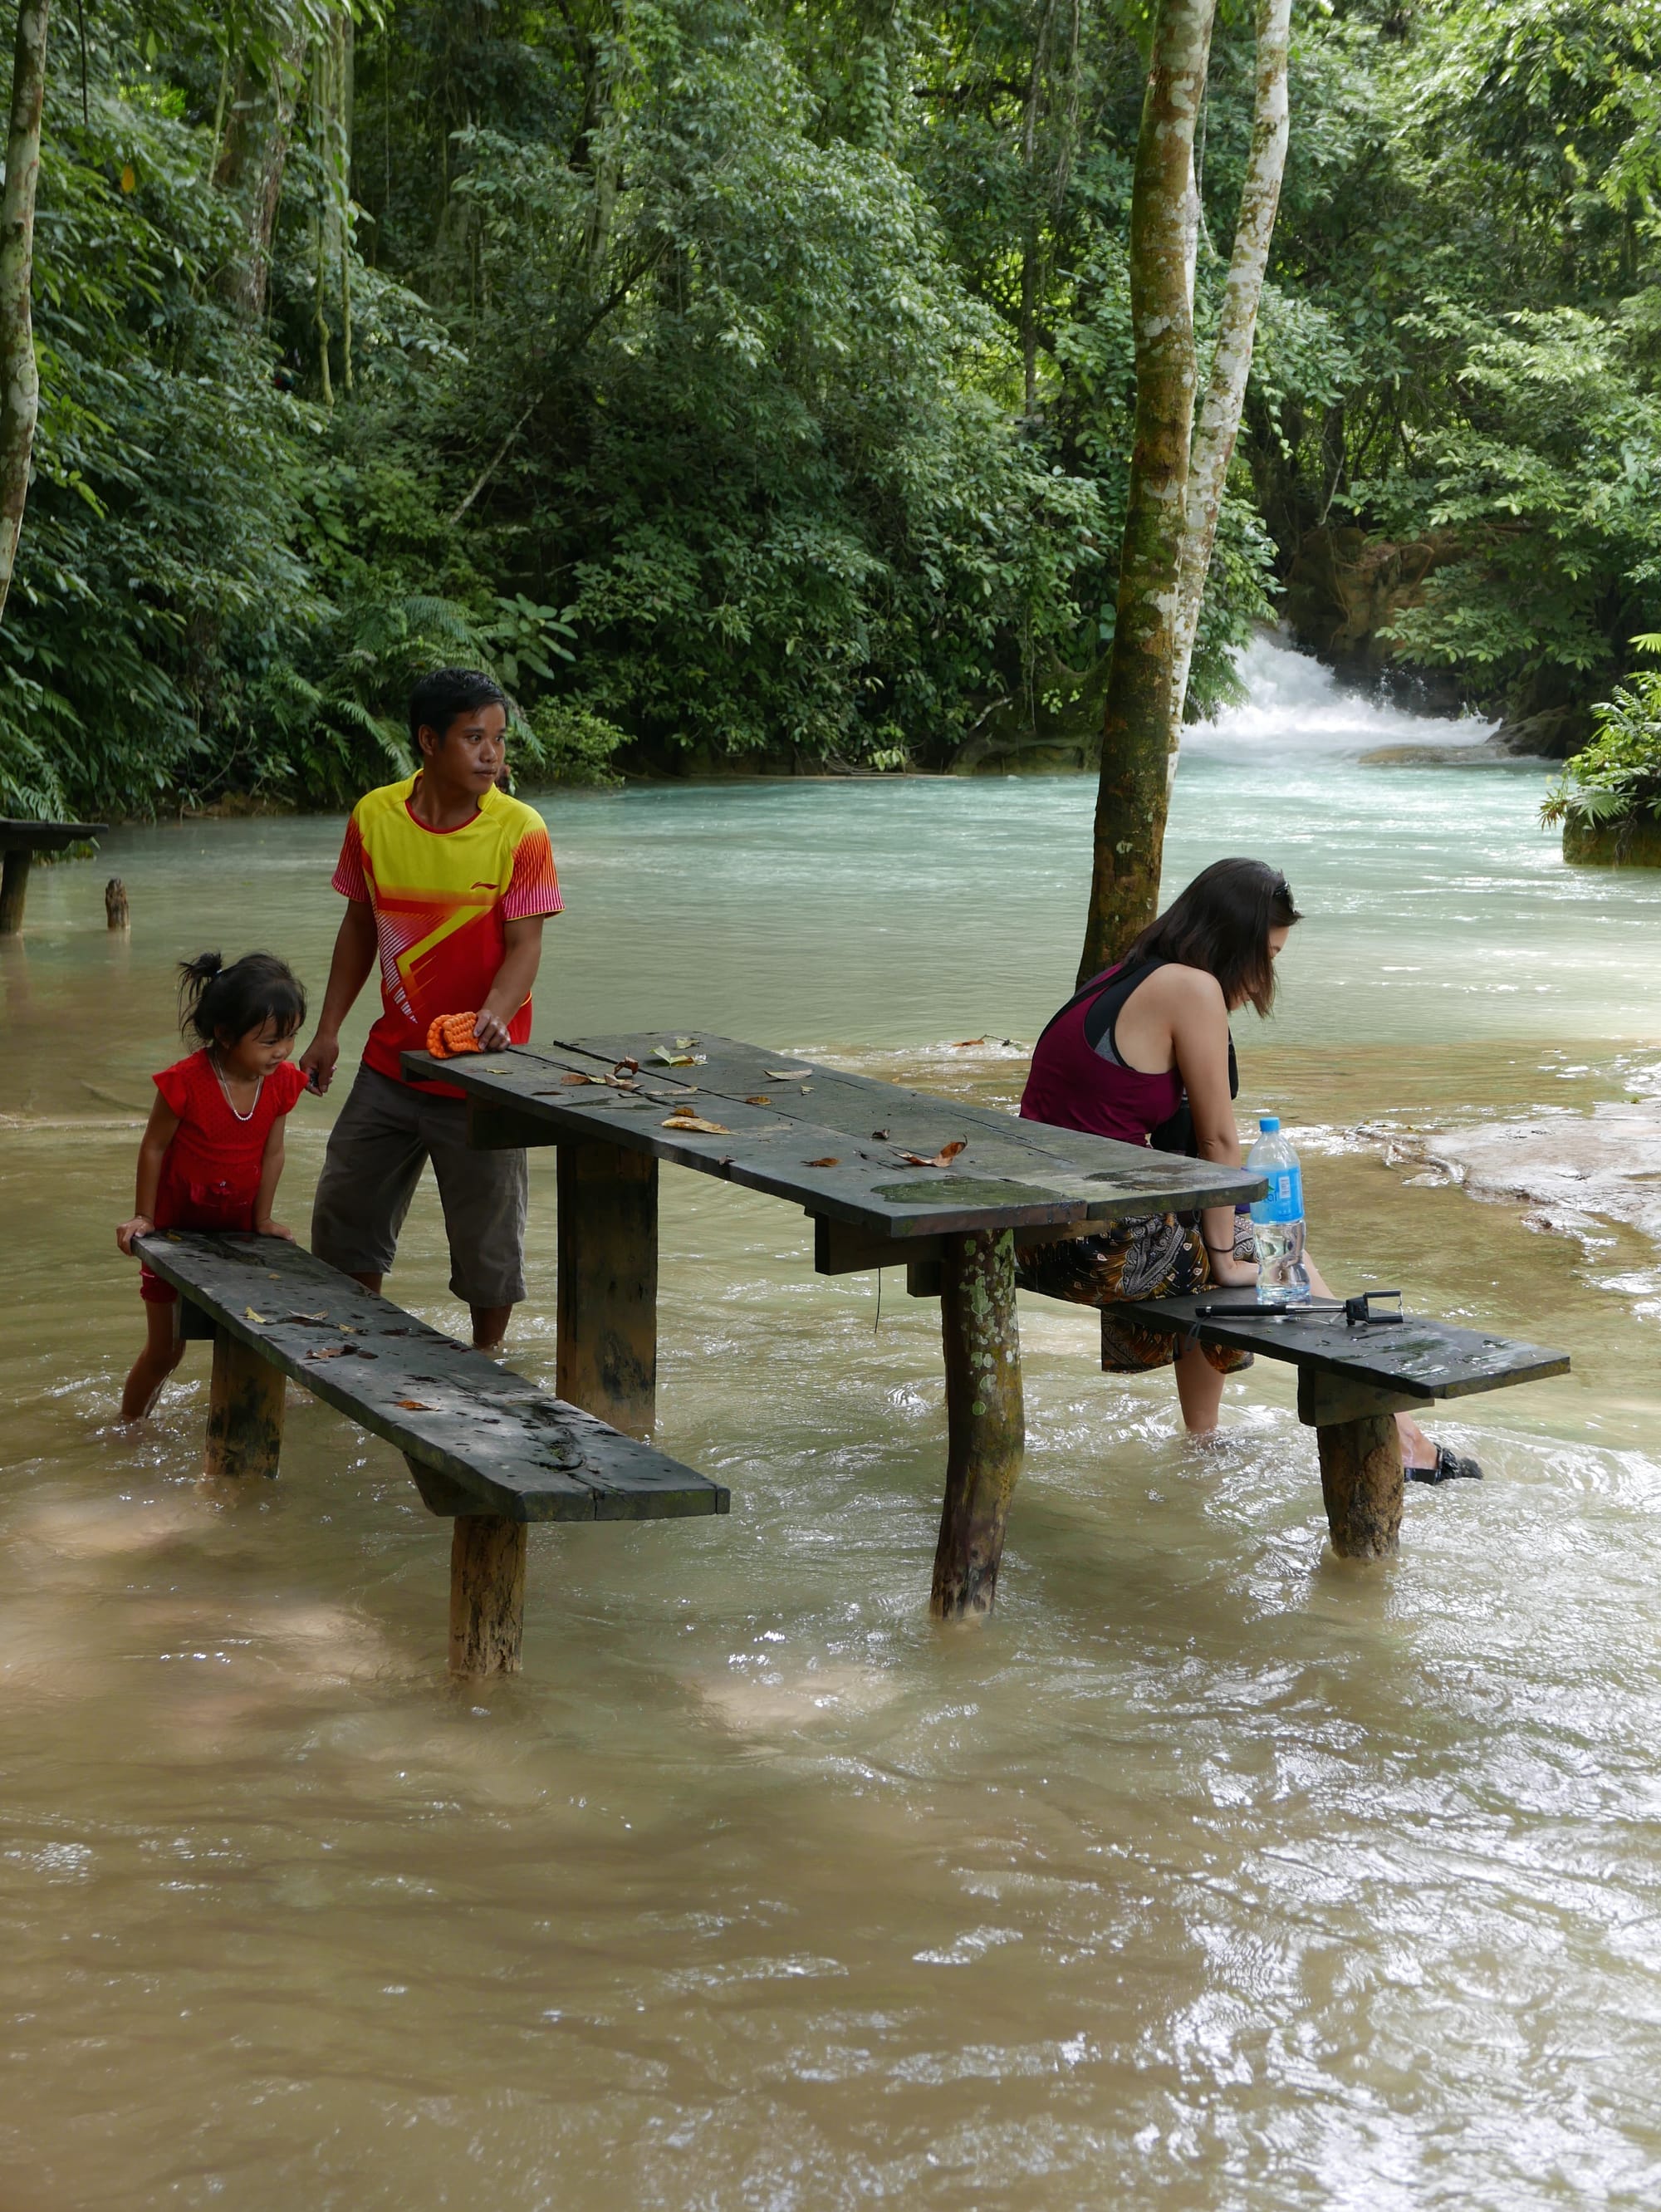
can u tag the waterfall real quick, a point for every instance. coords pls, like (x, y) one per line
(1294, 703)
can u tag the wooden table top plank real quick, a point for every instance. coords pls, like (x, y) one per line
(1419, 1357)
(527, 1454)
(26, 836)
(835, 1143)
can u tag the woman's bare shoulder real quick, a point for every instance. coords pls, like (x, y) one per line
(1190, 990)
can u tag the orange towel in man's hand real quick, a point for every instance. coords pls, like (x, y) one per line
(450, 1034)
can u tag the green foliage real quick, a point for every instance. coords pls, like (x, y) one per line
(1618, 776)
(570, 745)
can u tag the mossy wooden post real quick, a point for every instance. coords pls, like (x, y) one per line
(1360, 1448)
(244, 1411)
(607, 1358)
(984, 1425)
(14, 888)
(487, 1595)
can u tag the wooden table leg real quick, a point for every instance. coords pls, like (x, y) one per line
(14, 889)
(1361, 1483)
(985, 1428)
(487, 1595)
(245, 1410)
(606, 1358)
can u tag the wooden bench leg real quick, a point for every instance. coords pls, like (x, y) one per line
(985, 1428)
(1361, 1483)
(606, 1358)
(244, 1411)
(13, 889)
(487, 1595)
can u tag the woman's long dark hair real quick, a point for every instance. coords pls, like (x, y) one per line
(216, 1001)
(1221, 923)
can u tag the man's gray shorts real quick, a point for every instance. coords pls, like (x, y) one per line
(385, 1133)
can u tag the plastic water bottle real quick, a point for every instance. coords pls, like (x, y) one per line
(1277, 1219)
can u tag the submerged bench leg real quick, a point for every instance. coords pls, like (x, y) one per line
(607, 1356)
(1361, 1483)
(245, 1410)
(13, 889)
(985, 1428)
(487, 1595)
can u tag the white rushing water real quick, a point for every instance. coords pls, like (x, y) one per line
(1294, 705)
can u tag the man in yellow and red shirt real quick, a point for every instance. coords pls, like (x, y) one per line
(447, 882)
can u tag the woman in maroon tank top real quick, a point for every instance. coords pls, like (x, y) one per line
(1143, 1053)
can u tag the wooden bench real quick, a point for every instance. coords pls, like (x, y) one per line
(486, 1448)
(890, 1176)
(19, 843)
(1352, 1382)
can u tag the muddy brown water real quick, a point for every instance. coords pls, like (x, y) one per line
(1210, 1873)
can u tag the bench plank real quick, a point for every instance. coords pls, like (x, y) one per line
(25, 836)
(1417, 1360)
(516, 1450)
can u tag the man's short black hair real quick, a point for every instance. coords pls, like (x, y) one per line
(444, 693)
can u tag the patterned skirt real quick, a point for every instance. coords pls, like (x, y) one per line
(1160, 1255)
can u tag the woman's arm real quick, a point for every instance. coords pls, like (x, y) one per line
(270, 1174)
(1199, 1039)
(159, 1132)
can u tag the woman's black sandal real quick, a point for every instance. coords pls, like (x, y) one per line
(1448, 1466)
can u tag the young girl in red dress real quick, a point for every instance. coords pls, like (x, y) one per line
(212, 1150)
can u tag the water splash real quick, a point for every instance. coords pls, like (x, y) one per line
(1294, 703)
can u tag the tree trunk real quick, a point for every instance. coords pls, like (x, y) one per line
(1135, 791)
(255, 154)
(1237, 329)
(20, 383)
(1140, 753)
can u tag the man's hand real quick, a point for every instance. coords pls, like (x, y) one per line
(490, 1031)
(317, 1062)
(140, 1225)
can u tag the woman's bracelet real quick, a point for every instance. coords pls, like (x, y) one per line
(1222, 1251)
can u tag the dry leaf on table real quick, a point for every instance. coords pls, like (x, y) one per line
(787, 1074)
(414, 1405)
(251, 1315)
(824, 1164)
(762, 1100)
(701, 1129)
(943, 1158)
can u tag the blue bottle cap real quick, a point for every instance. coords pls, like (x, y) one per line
(1269, 1124)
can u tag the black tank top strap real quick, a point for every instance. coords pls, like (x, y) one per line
(1109, 990)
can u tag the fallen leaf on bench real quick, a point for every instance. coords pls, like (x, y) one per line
(787, 1074)
(943, 1158)
(618, 1066)
(414, 1405)
(824, 1164)
(331, 1352)
(702, 1128)
(582, 1078)
(685, 1044)
(763, 1100)
(880, 1136)
(251, 1315)
(300, 1316)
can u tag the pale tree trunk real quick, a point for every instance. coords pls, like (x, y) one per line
(251, 165)
(1237, 329)
(1133, 796)
(1141, 750)
(20, 383)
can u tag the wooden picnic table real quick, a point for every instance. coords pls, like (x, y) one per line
(889, 1176)
(20, 842)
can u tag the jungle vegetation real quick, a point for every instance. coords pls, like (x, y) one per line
(751, 382)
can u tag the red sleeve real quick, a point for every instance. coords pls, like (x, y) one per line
(290, 1086)
(174, 1084)
(533, 888)
(349, 879)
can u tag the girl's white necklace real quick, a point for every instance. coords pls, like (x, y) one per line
(259, 1084)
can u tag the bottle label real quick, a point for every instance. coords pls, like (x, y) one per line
(1283, 1201)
